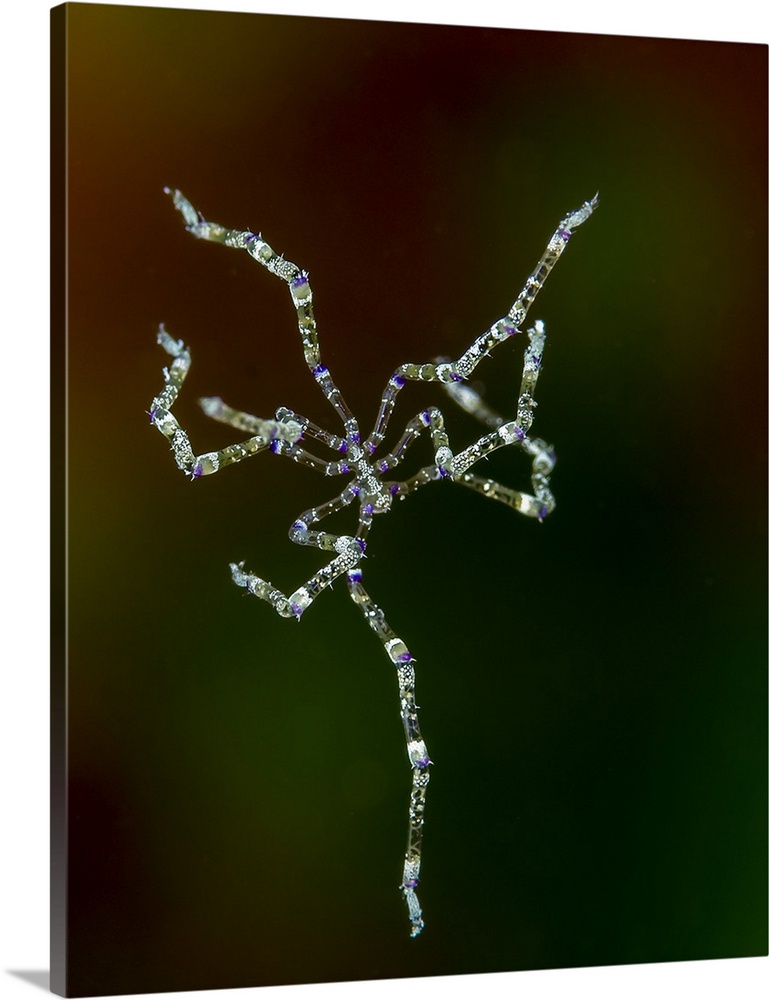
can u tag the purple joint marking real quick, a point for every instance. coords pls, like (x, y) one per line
(251, 236)
(510, 330)
(565, 234)
(394, 489)
(519, 433)
(361, 544)
(422, 763)
(456, 377)
(405, 658)
(197, 472)
(371, 448)
(383, 466)
(425, 417)
(297, 609)
(368, 509)
(355, 490)
(411, 884)
(343, 448)
(355, 576)
(300, 279)
(355, 438)
(319, 371)
(153, 414)
(398, 380)
(542, 512)
(275, 446)
(444, 474)
(344, 468)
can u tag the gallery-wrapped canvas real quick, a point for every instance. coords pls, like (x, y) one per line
(312, 253)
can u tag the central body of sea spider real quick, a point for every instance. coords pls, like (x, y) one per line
(372, 486)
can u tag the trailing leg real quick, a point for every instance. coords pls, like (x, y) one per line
(415, 746)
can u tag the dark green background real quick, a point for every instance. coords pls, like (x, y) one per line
(593, 690)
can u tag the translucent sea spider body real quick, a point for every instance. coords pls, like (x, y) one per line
(372, 481)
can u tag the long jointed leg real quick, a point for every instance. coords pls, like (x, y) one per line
(301, 295)
(506, 432)
(294, 605)
(272, 434)
(415, 746)
(350, 548)
(280, 436)
(471, 401)
(502, 330)
(217, 409)
(541, 503)
(511, 432)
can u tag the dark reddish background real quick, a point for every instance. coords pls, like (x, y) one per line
(593, 689)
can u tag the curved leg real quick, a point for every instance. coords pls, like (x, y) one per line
(541, 503)
(278, 436)
(415, 746)
(350, 551)
(512, 431)
(294, 605)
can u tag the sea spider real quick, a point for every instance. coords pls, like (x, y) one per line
(371, 485)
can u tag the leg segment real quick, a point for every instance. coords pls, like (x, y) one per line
(415, 745)
(432, 420)
(471, 402)
(313, 431)
(503, 329)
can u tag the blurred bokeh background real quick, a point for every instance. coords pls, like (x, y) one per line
(593, 689)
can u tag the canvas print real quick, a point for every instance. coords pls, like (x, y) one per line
(452, 275)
